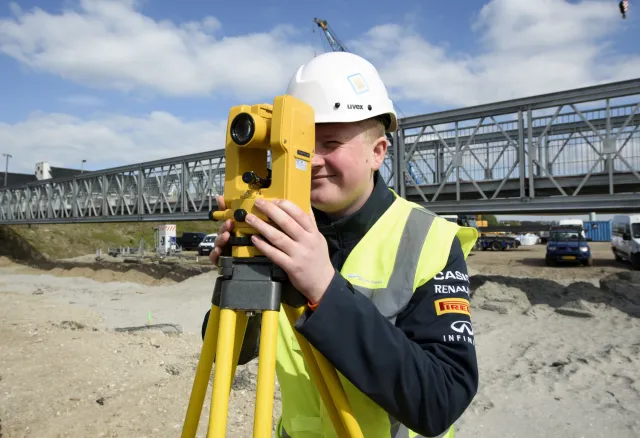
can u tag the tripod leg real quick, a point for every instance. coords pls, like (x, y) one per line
(203, 372)
(222, 377)
(338, 395)
(241, 329)
(316, 374)
(263, 416)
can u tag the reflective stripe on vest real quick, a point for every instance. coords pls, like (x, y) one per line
(393, 298)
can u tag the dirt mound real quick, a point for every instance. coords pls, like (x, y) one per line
(148, 273)
(532, 296)
(499, 298)
(623, 285)
(5, 261)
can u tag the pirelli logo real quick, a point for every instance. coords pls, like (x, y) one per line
(452, 305)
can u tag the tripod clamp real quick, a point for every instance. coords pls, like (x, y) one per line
(253, 284)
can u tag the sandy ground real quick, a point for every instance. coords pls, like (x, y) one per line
(559, 355)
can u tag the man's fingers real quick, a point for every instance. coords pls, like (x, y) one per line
(220, 200)
(221, 240)
(214, 254)
(274, 254)
(278, 238)
(226, 226)
(300, 217)
(283, 220)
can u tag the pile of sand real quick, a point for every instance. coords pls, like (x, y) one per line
(535, 296)
(556, 358)
(142, 272)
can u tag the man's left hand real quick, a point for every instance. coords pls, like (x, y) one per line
(298, 247)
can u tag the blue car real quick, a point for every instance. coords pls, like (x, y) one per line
(568, 244)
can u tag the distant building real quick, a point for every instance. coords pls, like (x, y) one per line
(42, 171)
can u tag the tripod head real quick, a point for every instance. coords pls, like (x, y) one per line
(286, 129)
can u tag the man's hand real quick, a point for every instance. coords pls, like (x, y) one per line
(223, 235)
(299, 249)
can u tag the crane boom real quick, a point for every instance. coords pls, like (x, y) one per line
(334, 42)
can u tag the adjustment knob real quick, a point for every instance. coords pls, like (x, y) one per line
(240, 214)
(249, 177)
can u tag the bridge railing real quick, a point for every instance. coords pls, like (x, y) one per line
(581, 145)
(171, 189)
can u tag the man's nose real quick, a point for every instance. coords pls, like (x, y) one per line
(317, 160)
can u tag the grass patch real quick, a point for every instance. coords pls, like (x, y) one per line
(72, 240)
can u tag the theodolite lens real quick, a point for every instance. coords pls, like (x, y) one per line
(242, 128)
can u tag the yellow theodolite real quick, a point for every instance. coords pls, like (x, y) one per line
(249, 282)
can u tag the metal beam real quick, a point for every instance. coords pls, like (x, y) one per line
(618, 203)
(625, 181)
(159, 217)
(499, 137)
(578, 95)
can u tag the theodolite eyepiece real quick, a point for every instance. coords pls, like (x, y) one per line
(242, 129)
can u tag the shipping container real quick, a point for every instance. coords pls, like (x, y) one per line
(598, 231)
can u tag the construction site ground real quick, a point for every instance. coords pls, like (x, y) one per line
(110, 349)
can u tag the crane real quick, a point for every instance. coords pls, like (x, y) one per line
(337, 46)
(334, 42)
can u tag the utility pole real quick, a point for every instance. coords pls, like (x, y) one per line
(82, 166)
(6, 168)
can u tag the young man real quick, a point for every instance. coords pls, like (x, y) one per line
(386, 280)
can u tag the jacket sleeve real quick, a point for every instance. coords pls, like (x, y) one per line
(423, 369)
(250, 344)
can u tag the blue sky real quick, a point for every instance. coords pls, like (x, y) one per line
(28, 90)
(123, 81)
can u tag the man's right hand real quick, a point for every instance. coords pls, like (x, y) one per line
(223, 235)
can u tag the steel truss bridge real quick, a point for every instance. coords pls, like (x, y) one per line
(575, 151)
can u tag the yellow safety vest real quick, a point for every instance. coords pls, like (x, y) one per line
(404, 249)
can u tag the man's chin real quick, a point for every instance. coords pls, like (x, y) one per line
(324, 195)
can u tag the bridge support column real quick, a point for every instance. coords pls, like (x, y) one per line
(400, 183)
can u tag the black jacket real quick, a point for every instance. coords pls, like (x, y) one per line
(423, 369)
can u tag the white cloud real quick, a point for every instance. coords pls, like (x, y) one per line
(109, 44)
(64, 140)
(527, 48)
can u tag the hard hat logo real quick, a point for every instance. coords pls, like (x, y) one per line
(358, 83)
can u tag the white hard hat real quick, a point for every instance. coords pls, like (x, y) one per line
(343, 87)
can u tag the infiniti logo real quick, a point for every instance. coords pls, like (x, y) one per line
(462, 327)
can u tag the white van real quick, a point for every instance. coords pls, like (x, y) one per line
(575, 223)
(206, 246)
(625, 238)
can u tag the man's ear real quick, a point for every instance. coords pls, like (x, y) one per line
(378, 153)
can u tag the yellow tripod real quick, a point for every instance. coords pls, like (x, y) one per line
(249, 282)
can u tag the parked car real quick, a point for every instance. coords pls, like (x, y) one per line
(567, 243)
(625, 239)
(189, 241)
(206, 246)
